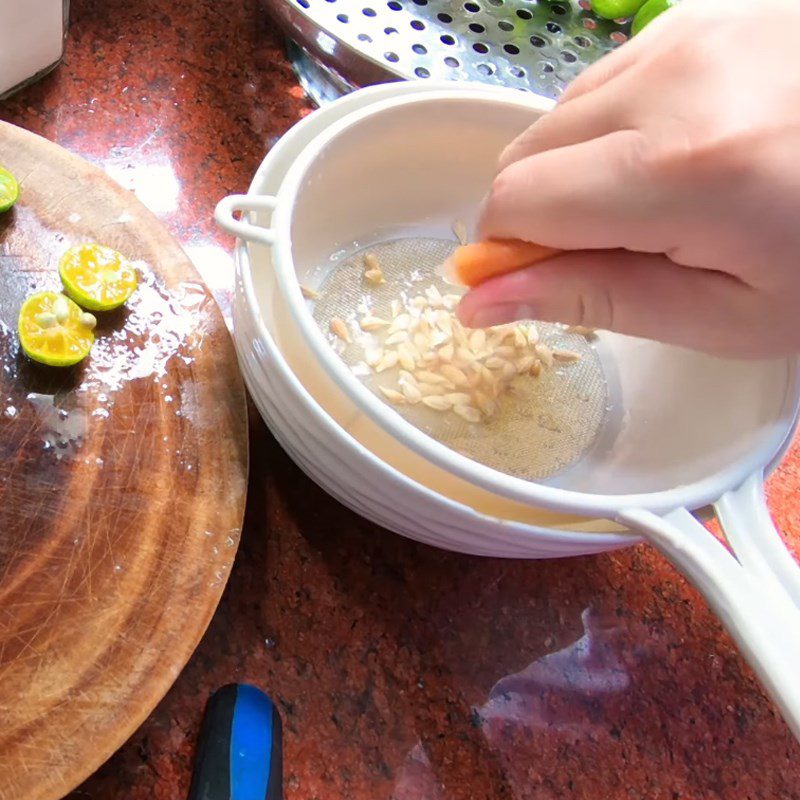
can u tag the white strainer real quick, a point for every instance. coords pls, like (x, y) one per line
(683, 430)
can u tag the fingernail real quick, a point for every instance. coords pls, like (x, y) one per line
(499, 315)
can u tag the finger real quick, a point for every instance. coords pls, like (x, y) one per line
(596, 194)
(603, 70)
(639, 294)
(644, 44)
(589, 117)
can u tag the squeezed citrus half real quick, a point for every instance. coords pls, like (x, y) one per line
(97, 277)
(55, 331)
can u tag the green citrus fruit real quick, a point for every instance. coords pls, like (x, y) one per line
(55, 331)
(616, 9)
(97, 277)
(648, 12)
(9, 189)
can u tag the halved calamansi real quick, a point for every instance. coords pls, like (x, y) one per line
(97, 277)
(55, 331)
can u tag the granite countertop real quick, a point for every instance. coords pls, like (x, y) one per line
(401, 672)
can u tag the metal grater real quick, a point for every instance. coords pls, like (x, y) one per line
(533, 45)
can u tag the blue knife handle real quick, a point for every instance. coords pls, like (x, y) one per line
(240, 752)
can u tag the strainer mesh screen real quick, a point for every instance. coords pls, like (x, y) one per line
(542, 425)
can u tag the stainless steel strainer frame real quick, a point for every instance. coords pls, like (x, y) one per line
(532, 45)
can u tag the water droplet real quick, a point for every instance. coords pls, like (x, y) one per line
(230, 541)
(167, 398)
(215, 550)
(117, 568)
(63, 413)
(10, 412)
(270, 643)
(99, 462)
(101, 413)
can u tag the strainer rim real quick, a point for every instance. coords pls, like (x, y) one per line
(693, 495)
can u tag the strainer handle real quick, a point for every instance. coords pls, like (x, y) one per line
(757, 612)
(243, 229)
(753, 537)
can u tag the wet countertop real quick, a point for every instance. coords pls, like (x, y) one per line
(401, 672)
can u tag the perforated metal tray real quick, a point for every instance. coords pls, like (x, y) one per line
(532, 45)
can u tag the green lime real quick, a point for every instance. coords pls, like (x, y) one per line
(648, 12)
(9, 189)
(616, 9)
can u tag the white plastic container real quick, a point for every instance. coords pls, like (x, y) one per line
(32, 34)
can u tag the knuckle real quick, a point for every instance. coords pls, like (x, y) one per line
(706, 154)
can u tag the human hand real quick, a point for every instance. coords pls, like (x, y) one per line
(672, 168)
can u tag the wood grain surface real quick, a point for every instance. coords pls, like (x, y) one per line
(122, 481)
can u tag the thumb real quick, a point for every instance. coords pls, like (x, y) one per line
(639, 294)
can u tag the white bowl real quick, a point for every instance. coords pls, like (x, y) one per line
(341, 448)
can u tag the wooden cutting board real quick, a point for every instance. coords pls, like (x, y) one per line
(122, 481)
